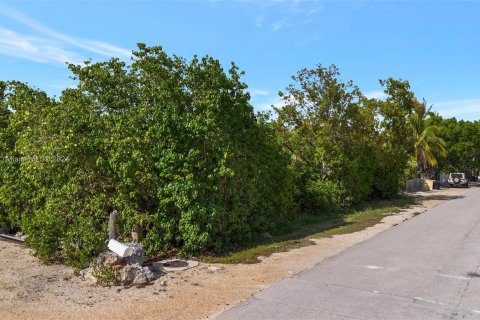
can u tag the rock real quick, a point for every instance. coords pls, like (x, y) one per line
(117, 267)
(84, 272)
(87, 274)
(212, 269)
(137, 255)
(163, 283)
(149, 274)
(109, 258)
(140, 278)
(128, 273)
(136, 274)
(157, 266)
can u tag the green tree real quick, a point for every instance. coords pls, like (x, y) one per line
(394, 145)
(428, 146)
(328, 131)
(461, 142)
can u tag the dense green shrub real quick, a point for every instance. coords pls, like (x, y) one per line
(6, 147)
(173, 146)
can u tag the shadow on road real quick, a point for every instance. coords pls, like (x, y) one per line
(440, 197)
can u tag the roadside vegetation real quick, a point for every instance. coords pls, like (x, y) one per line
(299, 232)
(462, 140)
(174, 146)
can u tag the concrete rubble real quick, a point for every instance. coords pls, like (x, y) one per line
(125, 271)
(20, 235)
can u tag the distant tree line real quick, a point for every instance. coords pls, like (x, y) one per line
(463, 144)
(176, 148)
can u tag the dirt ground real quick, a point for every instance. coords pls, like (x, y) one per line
(30, 290)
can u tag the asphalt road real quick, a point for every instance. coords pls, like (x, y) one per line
(424, 268)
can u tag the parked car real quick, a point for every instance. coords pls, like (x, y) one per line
(457, 179)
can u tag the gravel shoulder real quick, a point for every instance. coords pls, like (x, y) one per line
(31, 290)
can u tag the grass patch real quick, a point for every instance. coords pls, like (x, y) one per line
(300, 231)
(251, 255)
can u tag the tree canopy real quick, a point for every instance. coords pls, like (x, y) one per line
(175, 147)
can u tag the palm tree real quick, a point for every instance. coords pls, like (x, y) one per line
(428, 146)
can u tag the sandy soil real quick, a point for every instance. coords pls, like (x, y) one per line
(30, 290)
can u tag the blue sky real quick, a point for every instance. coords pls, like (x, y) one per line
(434, 45)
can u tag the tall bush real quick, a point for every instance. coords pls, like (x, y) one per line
(328, 130)
(172, 145)
(394, 142)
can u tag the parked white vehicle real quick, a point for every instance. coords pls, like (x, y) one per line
(456, 179)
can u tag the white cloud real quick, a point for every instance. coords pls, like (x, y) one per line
(258, 92)
(468, 109)
(48, 45)
(34, 48)
(267, 106)
(376, 95)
